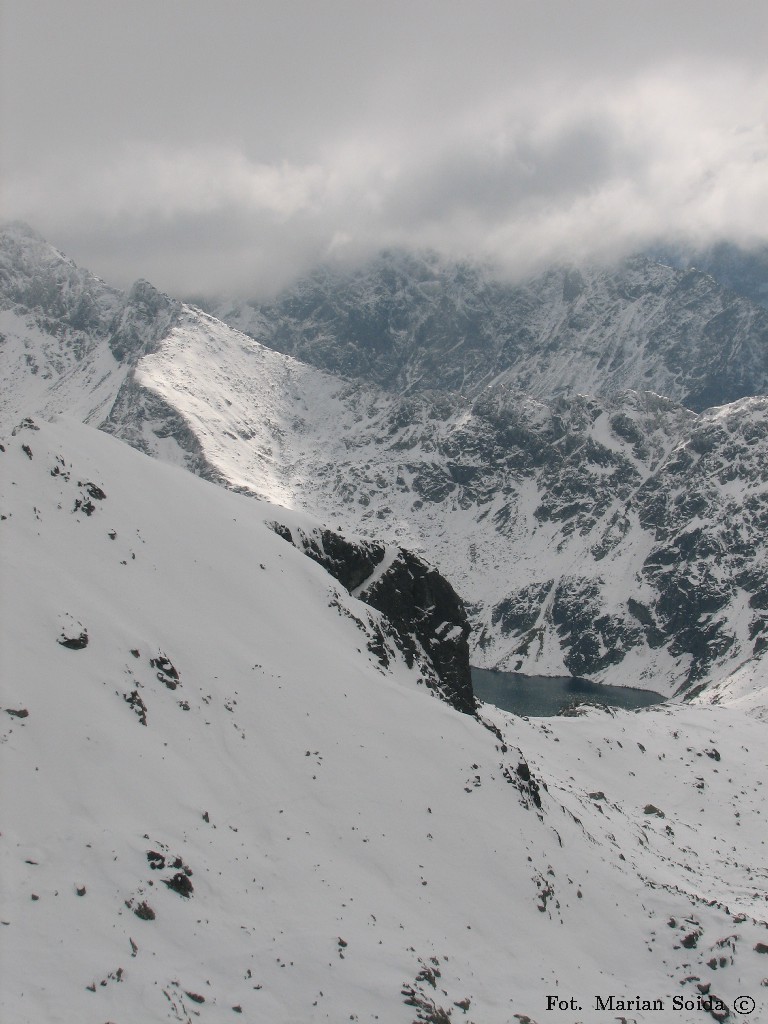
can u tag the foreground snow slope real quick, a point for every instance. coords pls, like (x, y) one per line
(221, 806)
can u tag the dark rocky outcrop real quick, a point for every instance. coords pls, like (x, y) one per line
(419, 602)
(426, 615)
(145, 318)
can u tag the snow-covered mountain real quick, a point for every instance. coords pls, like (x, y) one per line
(220, 803)
(744, 271)
(412, 322)
(621, 542)
(622, 539)
(68, 339)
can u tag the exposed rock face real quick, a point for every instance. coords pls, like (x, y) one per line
(37, 278)
(350, 562)
(427, 616)
(708, 512)
(69, 340)
(413, 322)
(417, 600)
(146, 421)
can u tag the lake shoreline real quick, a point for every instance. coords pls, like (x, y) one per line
(549, 696)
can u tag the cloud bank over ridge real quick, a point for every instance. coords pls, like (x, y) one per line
(487, 136)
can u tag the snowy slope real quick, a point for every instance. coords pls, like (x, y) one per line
(266, 824)
(596, 539)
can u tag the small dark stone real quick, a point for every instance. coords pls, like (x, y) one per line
(75, 643)
(195, 997)
(95, 492)
(144, 911)
(21, 713)
(181, 884)
(652, 809)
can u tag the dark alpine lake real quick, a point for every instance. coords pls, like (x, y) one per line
(543, 696)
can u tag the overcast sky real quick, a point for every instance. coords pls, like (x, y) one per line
(231, 145)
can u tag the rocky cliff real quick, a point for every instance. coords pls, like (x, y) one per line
(423, 612)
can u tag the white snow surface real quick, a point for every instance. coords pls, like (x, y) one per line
(357, 849)
(45, 376)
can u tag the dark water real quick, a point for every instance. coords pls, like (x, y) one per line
(543, 696)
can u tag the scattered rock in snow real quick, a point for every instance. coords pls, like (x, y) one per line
(75, 643)
(166, 671)
(144, 911)
(652, 809)
(133, 700)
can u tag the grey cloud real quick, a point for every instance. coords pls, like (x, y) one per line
(207, 146)
(495, 184)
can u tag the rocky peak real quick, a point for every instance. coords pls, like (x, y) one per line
(145, 318)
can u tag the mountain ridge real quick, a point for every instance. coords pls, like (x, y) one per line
(412, 322)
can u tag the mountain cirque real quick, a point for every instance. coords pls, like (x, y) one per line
(230, 790)
(621, 537)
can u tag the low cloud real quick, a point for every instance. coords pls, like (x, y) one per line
(522, 178)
